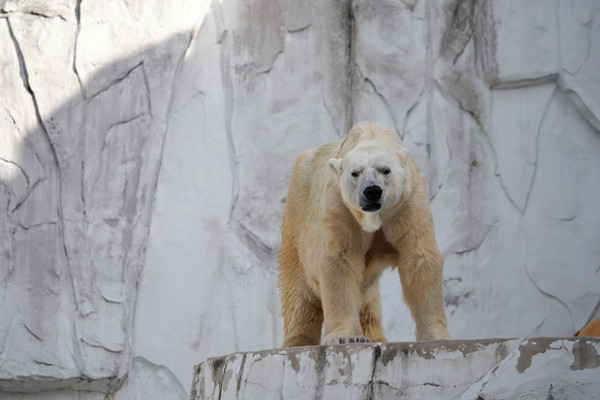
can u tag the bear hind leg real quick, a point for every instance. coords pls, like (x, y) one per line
(301, 310)
(302, 323)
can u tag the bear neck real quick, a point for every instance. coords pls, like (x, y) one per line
(371, 221)
(368, 221)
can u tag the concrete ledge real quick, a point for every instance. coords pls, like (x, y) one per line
(533, 368)
(68, 381)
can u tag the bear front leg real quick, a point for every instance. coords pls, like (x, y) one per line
(422, 284)
(420, 264)
(371, 315)
(341, 299)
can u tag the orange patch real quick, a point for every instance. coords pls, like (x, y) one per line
(591, 329)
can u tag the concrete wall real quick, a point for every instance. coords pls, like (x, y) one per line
(145, 149)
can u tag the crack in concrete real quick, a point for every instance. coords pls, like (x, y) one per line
(477, 388)
(119, 80)
(351, 64)
(27, 193)
(240, 373)
(22, 66)
(148, 90)
(32, 332)
(580, 106)
(477, 245)
(225, 44)
(460, 30)
(41, 14)
(589, 29)
(300, 29)
(120, 123)
(526, 82)
(61, 226)
(537, 146)
(341, 135)
(372, 85)
(16, 165)
(548, 294)
(376, 356)
(102, 346)
(408, 115)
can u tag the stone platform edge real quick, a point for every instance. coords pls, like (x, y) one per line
(538, 367)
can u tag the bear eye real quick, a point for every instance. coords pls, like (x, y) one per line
(385, 171)
(354, 173)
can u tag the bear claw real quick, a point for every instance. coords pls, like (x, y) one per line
(343, 340)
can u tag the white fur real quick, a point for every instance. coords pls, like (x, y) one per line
(371, 221)
(369, 159)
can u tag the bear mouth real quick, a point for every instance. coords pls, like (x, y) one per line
(371, 207)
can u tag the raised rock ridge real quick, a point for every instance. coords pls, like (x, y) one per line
(533, 368)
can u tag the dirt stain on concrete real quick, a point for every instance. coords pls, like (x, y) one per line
(527, 351)
(585, 356)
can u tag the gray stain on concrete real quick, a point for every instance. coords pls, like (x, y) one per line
(526, 352)
(329, 370)
(585, 356)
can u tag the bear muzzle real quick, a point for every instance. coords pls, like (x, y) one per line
(371, 198)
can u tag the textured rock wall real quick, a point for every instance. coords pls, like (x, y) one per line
(84, 105)
(145, 149)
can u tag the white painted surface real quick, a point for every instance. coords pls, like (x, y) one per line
(145, 149)
(532, 368)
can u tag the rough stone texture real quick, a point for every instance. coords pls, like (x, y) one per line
(84, 110)
(146, 146)
(532, 368)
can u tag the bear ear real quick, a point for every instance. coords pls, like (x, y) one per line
(335, 164)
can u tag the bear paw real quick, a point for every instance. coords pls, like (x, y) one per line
(348, 340)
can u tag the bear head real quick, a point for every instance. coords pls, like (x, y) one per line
(371, 178)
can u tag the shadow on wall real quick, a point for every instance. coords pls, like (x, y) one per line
(80, 155)
(80, 152)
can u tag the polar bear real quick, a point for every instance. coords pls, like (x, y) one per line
(354, 208)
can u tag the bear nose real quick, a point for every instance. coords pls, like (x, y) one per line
(372, 193)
